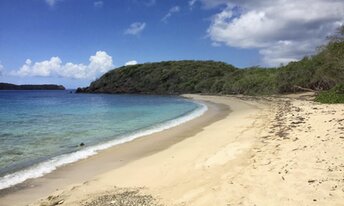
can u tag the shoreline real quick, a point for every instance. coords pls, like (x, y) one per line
(282, 150)
(47, 166)
(94, 165)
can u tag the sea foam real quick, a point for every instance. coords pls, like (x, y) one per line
(52, 164)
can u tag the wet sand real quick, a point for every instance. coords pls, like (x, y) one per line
(284, 150)
(109, 159)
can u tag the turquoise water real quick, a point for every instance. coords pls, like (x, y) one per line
(42, 130)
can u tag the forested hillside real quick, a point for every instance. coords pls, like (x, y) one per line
(319, 72)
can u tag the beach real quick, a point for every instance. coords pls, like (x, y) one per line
(284, 150)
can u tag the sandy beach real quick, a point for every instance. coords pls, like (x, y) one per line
(244, 151)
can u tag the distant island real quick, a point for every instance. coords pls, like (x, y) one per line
(7, 86)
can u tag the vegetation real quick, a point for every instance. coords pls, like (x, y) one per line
(176, 77)
(6, 86)
(335, 95)
(320, 72)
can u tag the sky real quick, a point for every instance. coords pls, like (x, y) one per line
(73, 42)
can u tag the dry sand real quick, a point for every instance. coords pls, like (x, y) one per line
(267, 151)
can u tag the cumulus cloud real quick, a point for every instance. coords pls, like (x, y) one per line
(282, 31)
(172, 10)
(100, 63)
(135, 28)
(98, 4)
(129, 63)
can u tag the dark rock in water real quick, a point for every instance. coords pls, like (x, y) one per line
(80, 90)
(82, 144)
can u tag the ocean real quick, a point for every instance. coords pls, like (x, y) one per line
(43, 130)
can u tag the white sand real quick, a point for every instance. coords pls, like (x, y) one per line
(272, 151)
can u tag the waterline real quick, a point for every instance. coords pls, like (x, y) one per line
(52, 164)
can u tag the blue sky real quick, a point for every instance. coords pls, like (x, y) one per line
(71, 42)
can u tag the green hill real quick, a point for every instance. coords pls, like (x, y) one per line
(171, 77)
(322, 71)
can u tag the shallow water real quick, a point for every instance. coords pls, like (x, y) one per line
(41, 130)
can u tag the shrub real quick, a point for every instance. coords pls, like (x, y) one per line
(333, 96)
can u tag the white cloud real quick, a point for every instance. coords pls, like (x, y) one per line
(172, 10)
(282, 31)
(132, 62)
(215, 44)
(135, 28)
(44, 68)
(192, 3)
(51, 2)
(98, 4)
(100, 63)
(1, 68)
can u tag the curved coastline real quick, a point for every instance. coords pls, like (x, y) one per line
(48, 166)
(112, 158)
